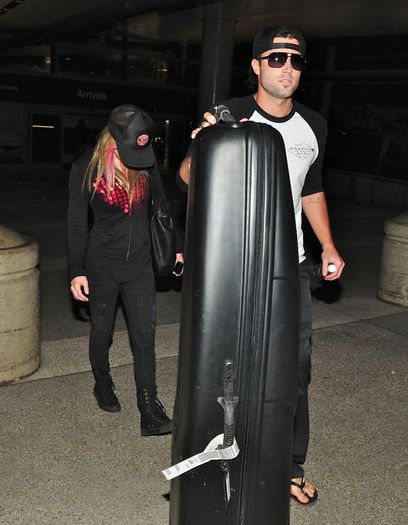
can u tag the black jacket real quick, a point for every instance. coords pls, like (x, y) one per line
(110, 235)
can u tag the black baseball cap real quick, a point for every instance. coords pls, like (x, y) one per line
(132, 128)
(263, 40)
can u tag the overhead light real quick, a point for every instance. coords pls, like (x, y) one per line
(44, 126)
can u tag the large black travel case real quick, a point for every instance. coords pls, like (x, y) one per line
(238, 335)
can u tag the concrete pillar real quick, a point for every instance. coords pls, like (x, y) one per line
(216, 55)
(19, 306)
(393, 282)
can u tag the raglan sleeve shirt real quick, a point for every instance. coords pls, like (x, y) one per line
(245, 107)
(313, 181)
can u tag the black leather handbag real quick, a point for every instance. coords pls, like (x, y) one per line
(163, 236)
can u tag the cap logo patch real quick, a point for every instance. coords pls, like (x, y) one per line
(142, 140)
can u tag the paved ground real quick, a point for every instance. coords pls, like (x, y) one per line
(63, 461)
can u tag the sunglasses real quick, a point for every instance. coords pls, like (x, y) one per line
(279, 59)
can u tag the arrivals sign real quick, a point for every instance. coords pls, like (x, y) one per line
(69, 92)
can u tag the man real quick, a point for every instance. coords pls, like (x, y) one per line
(278, 61)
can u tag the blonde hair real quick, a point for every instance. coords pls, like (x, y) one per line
(103, 165)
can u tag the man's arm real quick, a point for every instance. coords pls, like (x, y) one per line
(185, 170)
(185, 166)
(315, 209)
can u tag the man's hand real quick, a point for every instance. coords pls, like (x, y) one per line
(80, 288)
(331, 256)
(208, 120)
(185, 167)
(315, 208)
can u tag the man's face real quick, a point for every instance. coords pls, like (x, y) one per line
(281, 82)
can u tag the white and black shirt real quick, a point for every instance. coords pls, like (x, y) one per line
(304, 134)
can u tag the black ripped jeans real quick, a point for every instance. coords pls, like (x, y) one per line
(138, 298)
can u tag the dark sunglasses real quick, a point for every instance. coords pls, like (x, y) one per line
(279, 59)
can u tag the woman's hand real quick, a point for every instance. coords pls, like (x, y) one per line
(80, 288)
(179, 265)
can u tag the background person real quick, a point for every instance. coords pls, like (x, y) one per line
(114, 258)
(278, 61)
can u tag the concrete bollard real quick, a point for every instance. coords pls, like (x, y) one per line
(393, 282)
(19, 306)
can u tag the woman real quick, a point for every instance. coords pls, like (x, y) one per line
(114, 259)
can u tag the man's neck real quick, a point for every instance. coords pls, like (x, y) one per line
(276, 107)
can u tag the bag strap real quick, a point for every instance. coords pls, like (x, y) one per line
(155, 182)
(158, 196)
(156, 186)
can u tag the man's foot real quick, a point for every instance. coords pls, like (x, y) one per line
(302, 491)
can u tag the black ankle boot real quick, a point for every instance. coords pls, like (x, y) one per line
(153, 417)
(104, 392)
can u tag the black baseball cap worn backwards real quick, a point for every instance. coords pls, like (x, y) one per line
(263, 40)
(132, 129)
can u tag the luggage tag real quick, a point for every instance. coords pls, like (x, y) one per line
(212, 452)
(223, 447)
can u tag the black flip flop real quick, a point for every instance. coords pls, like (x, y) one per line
(301, 486)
